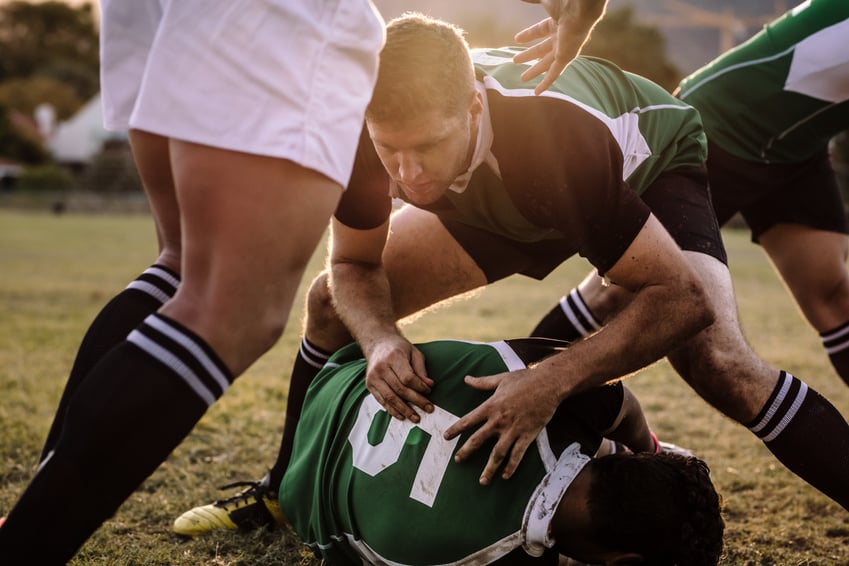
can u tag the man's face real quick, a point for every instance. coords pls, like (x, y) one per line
(425, 154)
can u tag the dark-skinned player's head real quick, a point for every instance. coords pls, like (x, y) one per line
(659, 509)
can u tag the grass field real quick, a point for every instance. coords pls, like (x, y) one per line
(57, 271)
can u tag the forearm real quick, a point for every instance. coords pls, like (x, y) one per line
(363, 300)
(657, 320)
(396, 375)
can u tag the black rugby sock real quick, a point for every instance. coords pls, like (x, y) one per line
(135, 407)
(808, 435)
(124, 312)
(836, 344)
(570, 320)
(308, 363)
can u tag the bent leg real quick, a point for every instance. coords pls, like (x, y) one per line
(812, 263)
(250, 225)
(800, 427)
(148, 291)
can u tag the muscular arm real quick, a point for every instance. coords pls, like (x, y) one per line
(669, 306)
(362, 297)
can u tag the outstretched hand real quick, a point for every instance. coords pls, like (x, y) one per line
(514, 414)
(563, 35)
(397, 378)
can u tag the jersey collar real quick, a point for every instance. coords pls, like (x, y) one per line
(546, 498)
(483, 146)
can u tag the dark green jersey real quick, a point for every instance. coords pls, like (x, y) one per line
(362, 485)
(654, 131)
(779, 97)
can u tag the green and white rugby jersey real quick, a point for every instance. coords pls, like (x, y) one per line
(654, 131)
(779, 97)
(364, 486)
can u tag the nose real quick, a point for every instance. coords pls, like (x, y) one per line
(409, 167)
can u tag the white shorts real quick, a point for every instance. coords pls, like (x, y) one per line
(282, 78)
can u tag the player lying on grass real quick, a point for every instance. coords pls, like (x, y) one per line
(363, 487)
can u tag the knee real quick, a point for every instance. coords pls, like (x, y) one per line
(323, 326)
(319, 306)
(732, 380)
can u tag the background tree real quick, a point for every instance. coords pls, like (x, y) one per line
(24, 95)
(50, 40)
(16, 145)
(633, 46)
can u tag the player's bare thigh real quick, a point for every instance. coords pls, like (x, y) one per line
(250, 225)
(424, 263)
(813, 264)
(151, 155)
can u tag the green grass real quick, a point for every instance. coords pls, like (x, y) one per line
(57, 271)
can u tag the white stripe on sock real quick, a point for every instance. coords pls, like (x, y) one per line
(173, 362)
(788, 416)
(785, 386)
(150, 289)
(312, 356)
(189, 344)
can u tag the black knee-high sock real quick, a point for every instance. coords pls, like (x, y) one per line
(836, 344)
(307, 364)
(570, 320)
(135, 407)
(808, 435)
(124, 312)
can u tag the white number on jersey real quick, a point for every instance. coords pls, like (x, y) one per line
(372, 459)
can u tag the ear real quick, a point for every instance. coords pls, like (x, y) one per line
(476, 107)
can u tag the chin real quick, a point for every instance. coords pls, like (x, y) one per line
(423, 198)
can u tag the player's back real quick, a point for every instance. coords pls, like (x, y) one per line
(391, 488)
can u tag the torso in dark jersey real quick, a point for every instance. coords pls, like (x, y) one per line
(569, 164)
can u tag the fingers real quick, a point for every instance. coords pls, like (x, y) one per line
(538, 68)
(464, 423)
(550, 76)
(489, 383)
(539, 30)
(538, 51)
(477, 415)
(506, 445)
(395, 405)
(398, 394)
(516, 455)
(420, 371)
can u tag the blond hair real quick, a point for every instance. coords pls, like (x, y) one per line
(425, 65)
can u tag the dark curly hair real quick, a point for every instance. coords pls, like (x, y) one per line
(661, 506)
